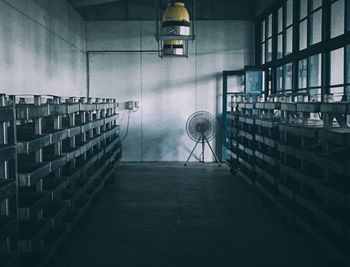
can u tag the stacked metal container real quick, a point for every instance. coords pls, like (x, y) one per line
(298, 158)
(67, 150)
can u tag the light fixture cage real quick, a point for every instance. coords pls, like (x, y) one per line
(173, 51)
(181, 33)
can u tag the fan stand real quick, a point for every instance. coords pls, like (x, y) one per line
(204, 140)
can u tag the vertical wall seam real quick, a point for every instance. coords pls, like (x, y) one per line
(196, 78)
(141, 83)
(87, 67)
(195, 73)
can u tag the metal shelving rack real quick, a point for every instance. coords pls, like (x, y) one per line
(67, 149)
(8, 184)
(298, 159)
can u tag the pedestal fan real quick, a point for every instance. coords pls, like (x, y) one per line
(201, 127)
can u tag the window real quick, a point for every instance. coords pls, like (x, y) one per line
(263, 39)
(314, 77)
(263, 53)
(279, 82)
(303, 9)
(280, 46)
(269, 50)
(307, 69)
(302, 74)
(280, 20)
(269, 81)
(269, 26)
(288, 32)
(348, 15)
(337, 18)
(266, 40)
(337, 66)
(268, 43)
(337, 74)
(347, 72)
(280, 33)
(314, 66)
(287, 72)
(284, 78)
(316, 27)
(303, 24)
(303, 34)
(310, 23)
(289, 12)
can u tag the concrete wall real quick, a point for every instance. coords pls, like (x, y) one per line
(169, 90)
(262, 5)
(42, 48)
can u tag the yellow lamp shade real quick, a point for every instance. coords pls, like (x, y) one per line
(173, 43)
(176, 12)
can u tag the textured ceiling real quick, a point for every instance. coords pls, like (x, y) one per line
(145, 10)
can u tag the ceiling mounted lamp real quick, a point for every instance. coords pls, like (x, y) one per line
(173, 48)
(176, 20)
(175, 29)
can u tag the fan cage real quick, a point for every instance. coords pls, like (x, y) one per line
(201, 124)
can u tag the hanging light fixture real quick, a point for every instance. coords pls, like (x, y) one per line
(174, 30)
(176, 20)
(173, 47)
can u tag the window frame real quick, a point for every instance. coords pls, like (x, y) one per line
(324, 47)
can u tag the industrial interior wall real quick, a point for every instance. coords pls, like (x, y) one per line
(42, 48)
(262, 5)
(123, 65)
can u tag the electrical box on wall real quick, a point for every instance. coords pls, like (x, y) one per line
(132, 105)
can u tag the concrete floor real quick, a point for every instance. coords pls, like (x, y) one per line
(164, 214)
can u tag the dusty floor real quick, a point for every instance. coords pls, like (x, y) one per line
(165, 214)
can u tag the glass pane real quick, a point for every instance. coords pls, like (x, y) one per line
(279, 85)
(268, 77)
(337, 66)
(315, 4)
(316, 27)
(289, 10)
(269, 50)
(262, 53)
(280, 46)
(254, 81)
(303, 35)
(337, 18)
(289, 40)
(288, 68)
(302, 75)
(263, 31)
(347, 65)
(280, 20)
(314, 69)
(235, 84)
(337, 93)
(348, 15)
(269, 26)
(303, 8)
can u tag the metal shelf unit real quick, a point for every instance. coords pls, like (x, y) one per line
(8, 185)
(67, 149)
(296, 155)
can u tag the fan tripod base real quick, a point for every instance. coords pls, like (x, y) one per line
(204, 140)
